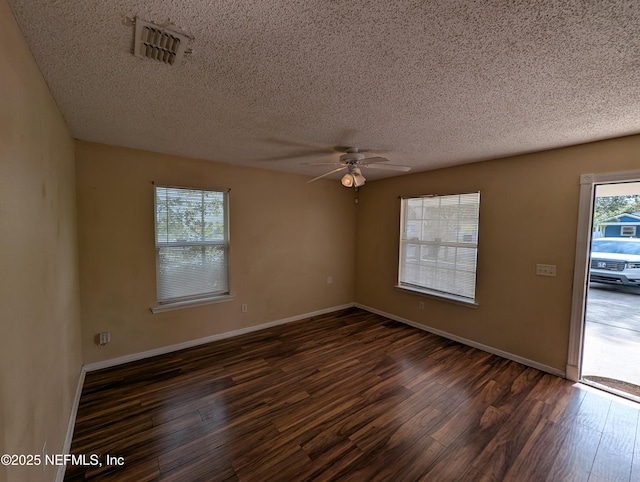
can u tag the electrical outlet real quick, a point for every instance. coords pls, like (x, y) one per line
(329, 280)
(244, 308)
(104, 337)
(546, 269)
(421, 305)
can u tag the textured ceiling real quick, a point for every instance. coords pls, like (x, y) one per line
(270, 83)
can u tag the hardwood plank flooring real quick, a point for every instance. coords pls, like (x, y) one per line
(349, 396)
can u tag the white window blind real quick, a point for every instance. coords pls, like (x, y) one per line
(192, 244)
(439, 245)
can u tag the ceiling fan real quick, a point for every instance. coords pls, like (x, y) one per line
(352, 160)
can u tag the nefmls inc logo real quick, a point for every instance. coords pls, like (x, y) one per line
(73, 459)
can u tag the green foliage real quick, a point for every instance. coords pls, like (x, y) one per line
(606, 207)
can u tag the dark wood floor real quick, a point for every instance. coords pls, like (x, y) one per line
(349, 396)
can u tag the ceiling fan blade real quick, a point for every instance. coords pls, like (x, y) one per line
(373, 160)
(307, 146)
(300, 149)
(321, 163)
(390, 167)
(327, 173)
(295, 155)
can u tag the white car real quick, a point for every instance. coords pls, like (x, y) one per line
(615, 261)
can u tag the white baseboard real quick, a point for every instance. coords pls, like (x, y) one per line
(66, 446)
(465, 341)
(208, 339)
(221, 336)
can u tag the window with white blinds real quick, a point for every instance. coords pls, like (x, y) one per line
(439, 245)
(192, 244)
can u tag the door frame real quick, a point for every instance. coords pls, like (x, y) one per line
(581, 264)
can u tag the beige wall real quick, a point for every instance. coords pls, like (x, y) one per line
(286, 238)
(528, 215)
(40, 354)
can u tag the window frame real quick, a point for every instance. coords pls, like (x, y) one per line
(441, 294)
(177, 302)
(631, 228)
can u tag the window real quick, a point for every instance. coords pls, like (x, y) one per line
(192, 244)
(627, 230)
(439, 245)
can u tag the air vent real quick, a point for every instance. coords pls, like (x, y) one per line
(159, 43)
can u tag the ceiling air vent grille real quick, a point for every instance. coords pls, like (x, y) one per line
(158, 43)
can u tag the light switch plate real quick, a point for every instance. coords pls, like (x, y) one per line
(546, 269)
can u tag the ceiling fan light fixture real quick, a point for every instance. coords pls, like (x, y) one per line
(358, 178)
(348, 180)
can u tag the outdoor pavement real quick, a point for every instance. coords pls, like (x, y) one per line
(612, 333)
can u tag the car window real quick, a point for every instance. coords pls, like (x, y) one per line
(618, 247)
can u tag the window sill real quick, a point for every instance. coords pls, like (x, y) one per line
(191, 304)
(436, 295)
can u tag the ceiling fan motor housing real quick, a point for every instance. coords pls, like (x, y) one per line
(352, 157)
